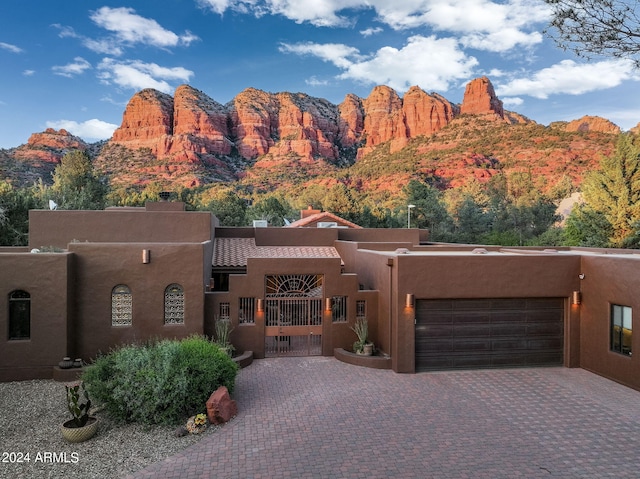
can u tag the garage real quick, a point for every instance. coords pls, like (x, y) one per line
(488, 333)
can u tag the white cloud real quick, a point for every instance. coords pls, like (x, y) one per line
(91, 130)
(313, 81)
(512, 101)
(370, 31)
(321, 13)
(138, 75)
(342, 56)
(10, 47)
(569, 77)
(29, 73)
(427, 61)
(69, 70)
(131, 28)
(482, 24)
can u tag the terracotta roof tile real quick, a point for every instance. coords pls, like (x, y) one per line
(234, 252)
(313, 219)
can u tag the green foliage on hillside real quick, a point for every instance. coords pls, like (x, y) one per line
(474, 181)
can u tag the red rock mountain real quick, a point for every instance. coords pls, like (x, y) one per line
(190, 139)
(256, 123)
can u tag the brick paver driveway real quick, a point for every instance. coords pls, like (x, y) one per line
(320, 418)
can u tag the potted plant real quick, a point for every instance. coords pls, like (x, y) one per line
(82, 426)
(362, 346)
(223, 331)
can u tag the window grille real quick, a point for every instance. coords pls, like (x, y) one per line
(339, 309)
(246, 311)
(361, 309)
(174, 304)
(19, 315)
(224, 311)
(121, 306)
(294, 286)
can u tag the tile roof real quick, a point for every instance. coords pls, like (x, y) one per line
(234, 252)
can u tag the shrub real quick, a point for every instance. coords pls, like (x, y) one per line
(160, 382)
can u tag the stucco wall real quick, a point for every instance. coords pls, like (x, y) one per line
(61, 227)
(609, 280)
(457, 276)
(46, 277)
(334, 335)
(102, 266)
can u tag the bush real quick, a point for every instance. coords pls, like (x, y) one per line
(161, 382)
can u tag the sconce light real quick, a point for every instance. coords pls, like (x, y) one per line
(409, 300)
(260, 305)
(576, 297)
(327, 304)
(146, 256)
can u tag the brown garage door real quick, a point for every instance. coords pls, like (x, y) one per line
(489, 333)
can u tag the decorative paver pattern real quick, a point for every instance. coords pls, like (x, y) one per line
(320, 418)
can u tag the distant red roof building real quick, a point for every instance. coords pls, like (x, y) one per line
(311, 218)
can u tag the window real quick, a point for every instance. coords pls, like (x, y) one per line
(19, 315)
(174, 304)
(361, 309)
(339, 309)
(621, 329)
(121, 306)
(246, 311)
(224, 310)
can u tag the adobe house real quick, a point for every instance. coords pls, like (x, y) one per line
(104, 278)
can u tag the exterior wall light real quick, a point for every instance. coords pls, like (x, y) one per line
(260, 305)
(576, 297)
(327, 304)
(409, 300)
(146, 256)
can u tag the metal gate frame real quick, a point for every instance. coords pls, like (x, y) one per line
(293, 327)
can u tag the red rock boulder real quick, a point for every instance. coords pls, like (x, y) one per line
(220, 407)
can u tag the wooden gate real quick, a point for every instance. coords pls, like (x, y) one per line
(293, 315)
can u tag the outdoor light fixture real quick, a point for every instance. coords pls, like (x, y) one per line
(327, 304)
(409, 300)
(409, 215)
(146, 256)
(260, 305)
(576, 297)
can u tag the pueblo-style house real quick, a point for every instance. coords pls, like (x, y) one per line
(92, 280)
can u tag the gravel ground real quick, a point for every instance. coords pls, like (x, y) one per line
(31, 413)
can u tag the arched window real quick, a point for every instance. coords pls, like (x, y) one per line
(121, 306)
(174, 304)
(19, 315)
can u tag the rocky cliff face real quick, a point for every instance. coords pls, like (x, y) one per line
(49, 146)
(593, 123)
(199, 140)
(480, 99)
(190, 124)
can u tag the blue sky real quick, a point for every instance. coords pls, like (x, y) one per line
(75, 64)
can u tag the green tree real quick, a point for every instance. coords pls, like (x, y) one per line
(596, 27)
(272, 209)
(229, 208)
(614, 190)
(430, 211)
(472, 222)
(339, 200)
(76, 186)
(587, 227)
(15, 204)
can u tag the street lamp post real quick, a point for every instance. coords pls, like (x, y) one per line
(409, 215)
